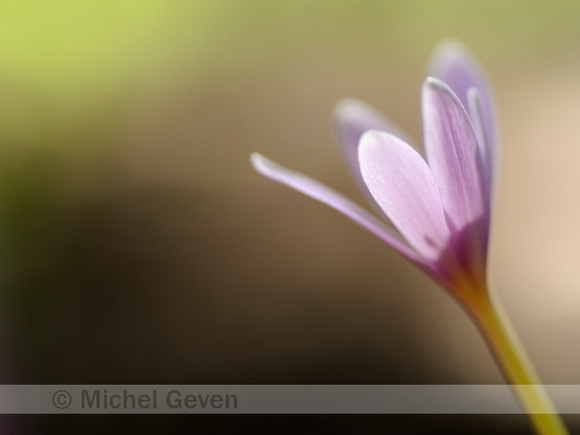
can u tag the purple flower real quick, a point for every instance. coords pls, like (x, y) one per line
(433, 211)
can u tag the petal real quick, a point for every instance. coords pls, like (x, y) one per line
(404, 187)
(352, 118)
(453, 64)
(324, 194)
(453, 156)
(474, 102)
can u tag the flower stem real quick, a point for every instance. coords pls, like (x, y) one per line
(514, 362)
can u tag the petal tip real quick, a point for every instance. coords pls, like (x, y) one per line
(474, 95)
(370, 139)
(256, 158)
(449, 46)
(345, 105)
(260, 163)
(437, 85)
(448, 50)
(439, 89)
(351, 109)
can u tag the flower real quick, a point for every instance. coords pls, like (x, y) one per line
(433, 211)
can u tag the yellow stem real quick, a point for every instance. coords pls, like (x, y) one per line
(514, 362)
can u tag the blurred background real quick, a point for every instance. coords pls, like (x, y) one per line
(137, 244)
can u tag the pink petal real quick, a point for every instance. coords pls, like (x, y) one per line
(476, 110)
(454, 65)
(404, 187)
(352, 118)
(453, 156)
(324, 194)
